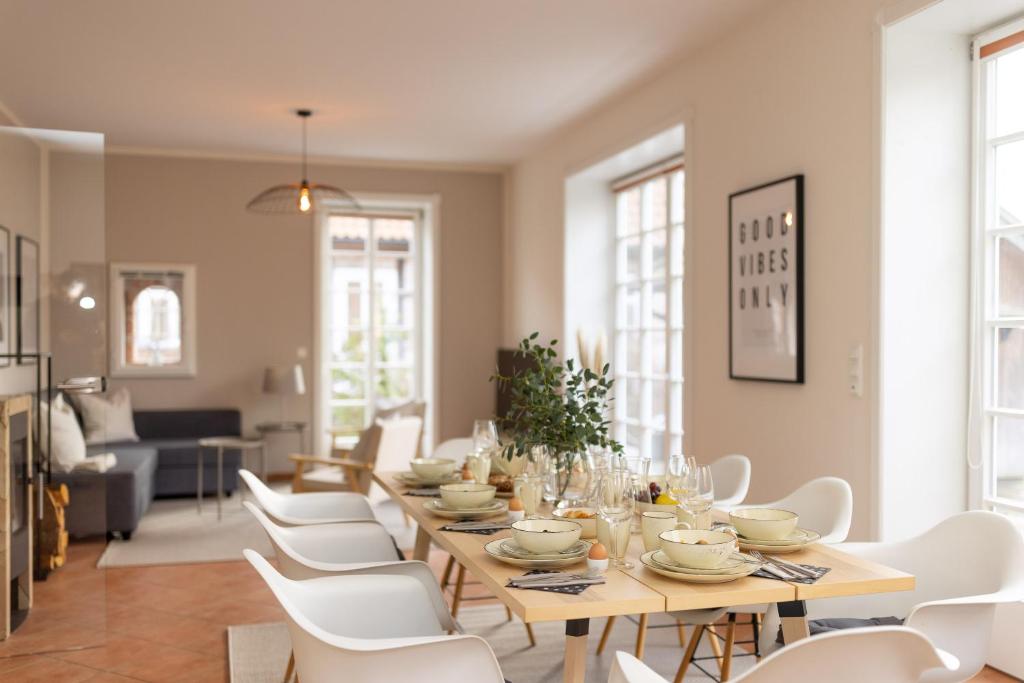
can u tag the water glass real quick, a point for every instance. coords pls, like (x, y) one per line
(615, 505)
(480, 466)
(529, 490)
(485, 436)
(678, 469)
(701, 488)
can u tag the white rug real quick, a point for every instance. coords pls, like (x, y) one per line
(173, 532)
(259, 653)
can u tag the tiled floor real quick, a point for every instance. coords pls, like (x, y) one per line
(148, 623)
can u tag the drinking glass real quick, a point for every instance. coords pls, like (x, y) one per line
(701, 489)
(615, 504)
(530, 491)
(480, 466)
(678, 468)
(485, 436)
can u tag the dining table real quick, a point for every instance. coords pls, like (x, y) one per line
(639, 591)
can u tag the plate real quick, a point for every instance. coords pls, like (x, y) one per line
(730, 566)
(577, 549)
(783, 546)
(798, 537)
(646, 560)
(413, 479)
(435, 506)
(494, 550)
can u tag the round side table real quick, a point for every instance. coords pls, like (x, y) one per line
(220, 443)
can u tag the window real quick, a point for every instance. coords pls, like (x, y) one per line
(649, 311)
(153, 322)
(374, 315)
(1000, 264)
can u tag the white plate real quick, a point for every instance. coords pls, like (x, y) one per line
(730, 566)
(494, 550)
(798, 537)
(413, 479)
(509, 547)
(694, 578)
(437, 507)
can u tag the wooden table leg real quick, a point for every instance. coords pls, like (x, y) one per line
(576, 631)
(422, 549)
(794, 621)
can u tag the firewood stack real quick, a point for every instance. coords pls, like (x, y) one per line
(52, 536)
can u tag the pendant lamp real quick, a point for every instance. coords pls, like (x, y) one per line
(302, 197)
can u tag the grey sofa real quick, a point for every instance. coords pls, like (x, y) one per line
(162, 463)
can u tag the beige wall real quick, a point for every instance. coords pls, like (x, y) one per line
(790, 92)
(255, 279)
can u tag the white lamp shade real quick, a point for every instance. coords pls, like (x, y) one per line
(284, 381)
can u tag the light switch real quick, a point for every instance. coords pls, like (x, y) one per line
(855, 371)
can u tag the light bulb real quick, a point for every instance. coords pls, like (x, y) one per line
(304, 200)
(87, 302)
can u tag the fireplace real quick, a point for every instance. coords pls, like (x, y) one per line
(15, 511)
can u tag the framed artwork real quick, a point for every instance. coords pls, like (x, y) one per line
(6, 335)
(27, 285)
(766, 282)
(153, 320)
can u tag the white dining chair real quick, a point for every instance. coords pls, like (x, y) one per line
(883, 654)
(373, 627)
(963, 567)
(731, 475)
(297, 509)
(454, 449)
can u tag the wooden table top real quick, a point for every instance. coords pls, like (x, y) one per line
(639, 590)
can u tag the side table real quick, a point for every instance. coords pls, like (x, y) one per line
(220, 443)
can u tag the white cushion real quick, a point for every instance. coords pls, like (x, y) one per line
(68, 443)
(108, 419)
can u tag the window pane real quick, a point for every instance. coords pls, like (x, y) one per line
(629, 212)
(349, 233)
(676, 410)
(1009, 458)
(1010, 368)
(1010, 183)
(349, 418)
(657, 351)
(634, 350)
(394, 384)
(657, 445)
(676, 355)
(634, 441)
(634, 398)
(1011, 276)
(677, 250)
(348, 347)
(629, 306)
(678, 207)
(629, 259)
(395, 348)
(658, 305)
(654, 244)
(677, 303)
(658, 404)
(676, 444)
(396, 309)
(1009, 95)
(655, 205)
(348, 383)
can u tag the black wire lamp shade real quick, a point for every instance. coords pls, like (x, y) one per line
(301, 197)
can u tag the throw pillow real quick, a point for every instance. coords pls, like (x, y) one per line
(68, 445)
(108, 420)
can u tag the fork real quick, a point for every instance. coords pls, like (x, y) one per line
(785, 566)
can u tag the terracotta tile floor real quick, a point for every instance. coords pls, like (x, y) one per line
(165, 623)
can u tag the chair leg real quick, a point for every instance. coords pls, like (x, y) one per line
(681, 631)
(604, 634)
(446, 577)
(698, 631)
(730, 638)
(291, 667)
(529, 634)
(460, 579)
(641, 637)
(716, 647)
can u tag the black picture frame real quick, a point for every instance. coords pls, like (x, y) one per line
(7, 340)
(27, 283)
(794, 278)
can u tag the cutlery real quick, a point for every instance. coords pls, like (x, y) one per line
(787, 567)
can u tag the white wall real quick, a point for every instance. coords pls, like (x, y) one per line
(791, 91)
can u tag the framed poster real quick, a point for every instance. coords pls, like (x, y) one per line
(5, 296)
(27, 286)
(766, 282)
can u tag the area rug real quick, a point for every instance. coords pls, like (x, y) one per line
(173, 532)
(259, 653)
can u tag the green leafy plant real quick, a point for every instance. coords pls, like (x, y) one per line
(561, 406)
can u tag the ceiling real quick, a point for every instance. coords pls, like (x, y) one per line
(465, 81)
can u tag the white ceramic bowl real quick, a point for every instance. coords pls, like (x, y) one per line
(698, 549)
(764, 524)
(465, 496)
(546, 535)
(589, 524)
(432, 468)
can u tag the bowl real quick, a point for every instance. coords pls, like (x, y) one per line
(543, 536)
(698, 549)
(466, 496)
(432, 468)
(642, 507)
(589, 524)
(764, 524)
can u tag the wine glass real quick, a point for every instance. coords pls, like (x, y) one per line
(678, 468)
(701, 489)
(615, 505)
(485, 436)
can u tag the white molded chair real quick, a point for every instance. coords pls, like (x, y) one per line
(296, 509)
(454, 449)
(963, 567)
(373, 628)
(731, 474)
(346, 549)
(883, 654)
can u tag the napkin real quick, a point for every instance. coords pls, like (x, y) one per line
(486, 528)
(568, 588)
(430, 492)
(766, 572)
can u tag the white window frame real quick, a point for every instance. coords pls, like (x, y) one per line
(673, 433)
(984, 318)
(189, 322)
